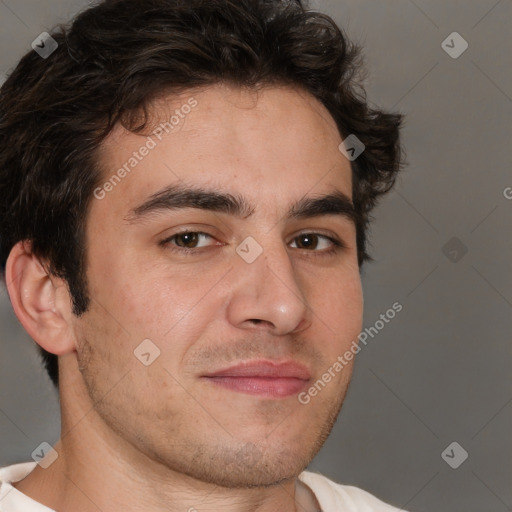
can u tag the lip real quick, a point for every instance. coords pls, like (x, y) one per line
(265, 368)
(262, 378)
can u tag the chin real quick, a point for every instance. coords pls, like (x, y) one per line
(247, 466)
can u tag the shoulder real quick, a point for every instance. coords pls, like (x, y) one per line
(332, 496)
(16, 472)
(11, 499)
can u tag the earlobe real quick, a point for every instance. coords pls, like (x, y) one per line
(39, 301)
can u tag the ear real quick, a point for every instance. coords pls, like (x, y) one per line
(41, 302)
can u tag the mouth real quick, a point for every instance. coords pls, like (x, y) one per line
(262, 378)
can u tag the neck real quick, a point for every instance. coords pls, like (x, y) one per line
(98, 469)
(96, 473)
(91, 483)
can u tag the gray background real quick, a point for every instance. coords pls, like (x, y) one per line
(440, 370)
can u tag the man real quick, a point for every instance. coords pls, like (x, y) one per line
(186, 188)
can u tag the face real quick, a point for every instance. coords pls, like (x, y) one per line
(184, 276)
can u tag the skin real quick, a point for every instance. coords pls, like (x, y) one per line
(159, 437)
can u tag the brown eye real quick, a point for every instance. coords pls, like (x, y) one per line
(315, 242)
(307, 241)
(188, 240)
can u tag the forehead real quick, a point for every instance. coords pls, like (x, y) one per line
(267, 144)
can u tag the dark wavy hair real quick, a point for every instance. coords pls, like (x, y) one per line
(117, 57)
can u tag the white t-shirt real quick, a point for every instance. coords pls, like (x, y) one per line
(331, 496)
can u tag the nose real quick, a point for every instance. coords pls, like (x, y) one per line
(268, 294)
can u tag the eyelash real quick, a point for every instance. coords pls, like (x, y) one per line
(337, 245)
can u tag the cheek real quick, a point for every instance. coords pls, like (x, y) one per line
(351, 302)
(338, 308)
(170, 308)
(339, 300)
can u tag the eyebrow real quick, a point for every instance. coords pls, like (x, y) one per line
(177, 197)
